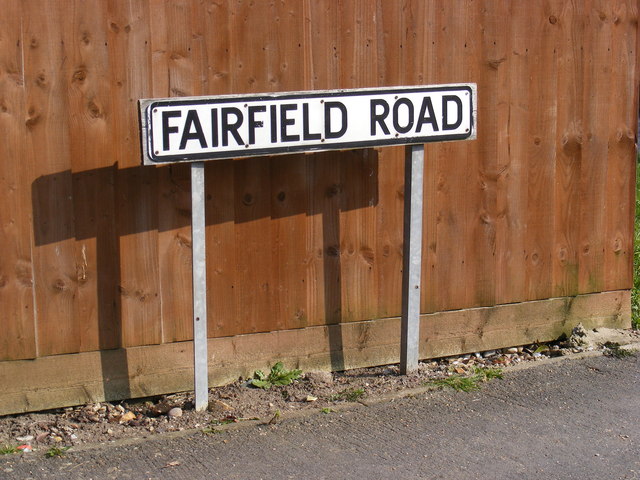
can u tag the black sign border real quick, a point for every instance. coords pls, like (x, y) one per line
(282, 150)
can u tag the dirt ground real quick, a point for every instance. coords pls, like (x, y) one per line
(240, 401)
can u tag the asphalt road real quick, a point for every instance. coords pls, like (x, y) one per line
(569, 419)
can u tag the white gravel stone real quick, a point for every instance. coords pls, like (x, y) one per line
(175, 412)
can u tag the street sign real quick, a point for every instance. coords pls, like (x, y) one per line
(208, 128)
(197, 129)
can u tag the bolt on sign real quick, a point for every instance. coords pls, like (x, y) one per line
(230, 126)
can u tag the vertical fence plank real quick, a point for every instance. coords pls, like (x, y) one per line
(289, 184)
(452, 170)
(511, 160)
(97, 260)
(136, 187)
(512, 191)
(253, 68)
(540, 147)
(221, 250)
(177, 70)
(491, 146)
(621, 131)
(563, 24)
(592, 37)
(17, 337)
(323, 288)
(431, 213)
(220, 206)
(481, 51)
(46, 74)
(358, 263)
(393, 69)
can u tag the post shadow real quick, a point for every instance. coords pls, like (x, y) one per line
(100, 194)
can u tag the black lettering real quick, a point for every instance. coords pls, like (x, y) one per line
(306, 134)
(445, 113)
(328, 106)
(231, 128)
(427, 108)
(166, 129)
(214, 127)
(379, 117)
(396, 113)
(274, 123)
(286, 121)
(253, 124)
(192, 121)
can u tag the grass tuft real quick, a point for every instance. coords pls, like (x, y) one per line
(613, 349)
(458, 382)
(56, 452)
(463, 383)
(8, 450)
(349, 395)
(485, 374)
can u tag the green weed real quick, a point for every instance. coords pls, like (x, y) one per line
(326, 410)
(614, 349)
(56, 452)
(485, 373)
(349, 395)
(277, 376)
(211, 431)
(8, 450)
(463, 383)
(458, 382)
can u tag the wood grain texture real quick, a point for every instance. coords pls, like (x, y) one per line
(96, 251)
(511, 194)
(98, 247)
(17, 337)
(136, 187)
(590, 143)
(65, 380)
(358, 263)
(178, 69)
(566, 255)
(540, 173)
(621, 134)
(46, 76)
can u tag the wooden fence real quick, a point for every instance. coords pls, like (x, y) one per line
(533, 219)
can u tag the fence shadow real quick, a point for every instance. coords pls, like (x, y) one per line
(108, 203)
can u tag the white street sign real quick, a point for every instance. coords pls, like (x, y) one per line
(208, 128)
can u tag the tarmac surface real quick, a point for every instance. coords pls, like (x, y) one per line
(576, 418)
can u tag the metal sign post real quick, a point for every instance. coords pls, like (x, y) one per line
(411, 257)
(199, 271)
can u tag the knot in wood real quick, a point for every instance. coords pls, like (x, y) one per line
(94, 109)
(41, 80)
(617, 245)
(79, 75)
(248, 199)
(334, 190)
